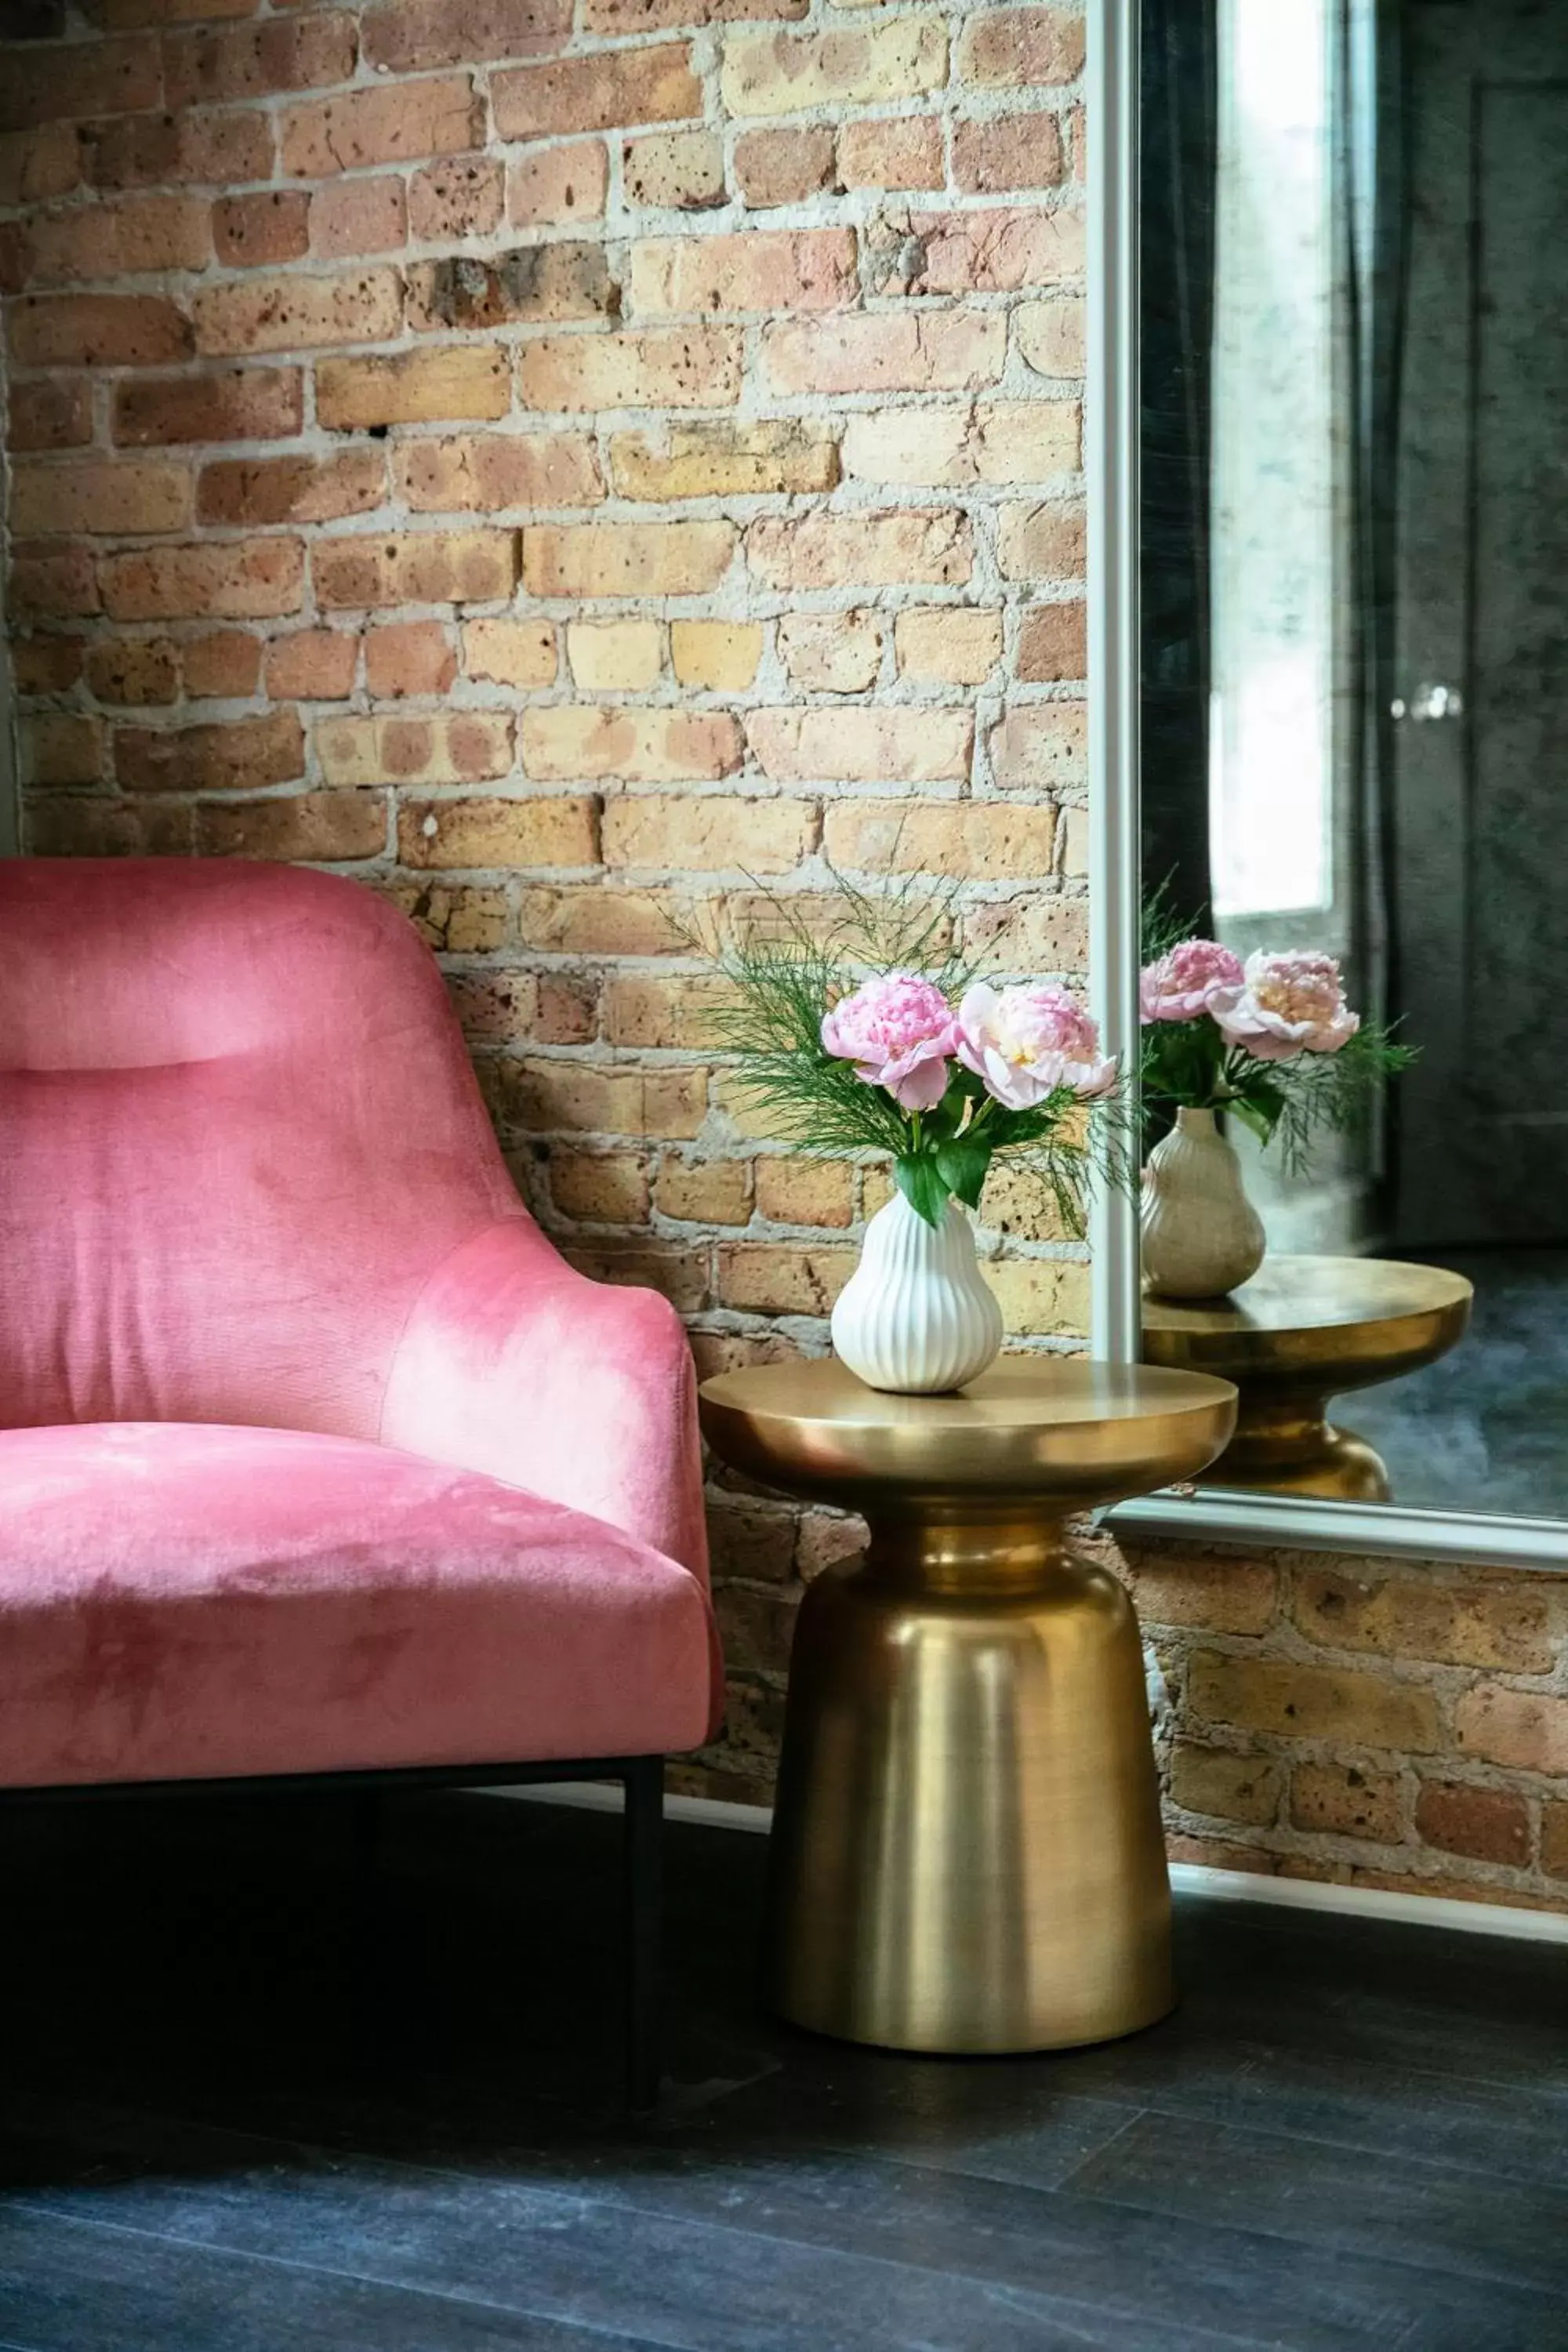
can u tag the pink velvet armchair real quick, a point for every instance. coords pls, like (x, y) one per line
(315, 1457)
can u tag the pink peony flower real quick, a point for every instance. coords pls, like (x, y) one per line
(898, 1031)
(1285, 1005)
(1179, 985)
(1026, 1042)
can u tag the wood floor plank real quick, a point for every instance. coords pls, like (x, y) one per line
(82, 2287)
(1439, 2216)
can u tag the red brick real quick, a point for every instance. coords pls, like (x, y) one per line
(45, 665)
(223, 666)
(1554, 1838)
(807, 269)
(221, 405)
(436, 567)
(47, 581)
(994, 250)
(331, 826)
(783, 167)
(238, 62)
(70, 826)
(458, 197)
(218, 150)
(412, 35)
(607, 92)
(52, 414)
(50, 331)
(312, 665)
(48, 83)
(669, 15)
(291, 489)
(248, 579)
(409, 658)
(61, 748)
(123, 236)
(36, 164)
(1053, 643)
(269, 226)
(135, 672)
(1009, 151)
(17, 259)
(247, 756)
(355, 217)
(1488, 1824)
(442, 116)
(1011, 48)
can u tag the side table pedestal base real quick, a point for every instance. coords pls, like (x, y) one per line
(967, 1853)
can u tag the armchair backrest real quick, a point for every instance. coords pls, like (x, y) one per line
(238, 1134)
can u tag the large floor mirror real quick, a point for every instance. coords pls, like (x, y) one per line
(1353, 575)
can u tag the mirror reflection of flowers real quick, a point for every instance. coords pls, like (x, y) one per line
(1271, 1040)
(868, 1031)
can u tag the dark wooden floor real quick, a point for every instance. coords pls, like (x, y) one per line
(248, 2109)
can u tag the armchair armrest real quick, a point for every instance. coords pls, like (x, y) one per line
(513, 1363)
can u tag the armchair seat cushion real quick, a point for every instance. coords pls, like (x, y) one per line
(186, 1600)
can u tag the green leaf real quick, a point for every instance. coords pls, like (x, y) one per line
(922, 1185)
(962, 1166)
(1257, 1112)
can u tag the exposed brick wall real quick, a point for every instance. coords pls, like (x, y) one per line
(557, 459)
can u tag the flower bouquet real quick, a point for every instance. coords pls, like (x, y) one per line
(872, 1037)
(1271, 1042)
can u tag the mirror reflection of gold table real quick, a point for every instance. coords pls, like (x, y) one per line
(1303, 1330)
(967, 1851)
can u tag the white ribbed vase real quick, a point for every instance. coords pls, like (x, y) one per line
(916, 1317)
(1202, 1237)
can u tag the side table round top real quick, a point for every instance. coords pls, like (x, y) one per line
(1331, 1323)
(1069, 1431)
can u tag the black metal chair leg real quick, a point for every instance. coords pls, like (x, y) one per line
(643, 1778)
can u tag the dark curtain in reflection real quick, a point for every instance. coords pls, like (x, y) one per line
(1177, 312)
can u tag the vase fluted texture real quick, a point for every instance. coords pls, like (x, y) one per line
(1202, 1237)
(917, 1317)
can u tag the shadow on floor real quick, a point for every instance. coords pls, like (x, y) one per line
(255, 2100)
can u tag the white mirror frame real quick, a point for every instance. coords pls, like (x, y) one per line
(1226, 1516)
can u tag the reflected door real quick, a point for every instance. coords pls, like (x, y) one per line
(1481, 774)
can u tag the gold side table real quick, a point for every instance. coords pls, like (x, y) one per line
(967, 1851)
(1303, 1330)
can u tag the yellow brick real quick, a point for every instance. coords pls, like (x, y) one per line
(510, 653)
(1216, 1781)
(1051, 335)
(982, 840)
(807, 1192)
(1040, 1295)
(705, 1191)
(459, 918)
(129, 494)
(655, 1013)
(531, 832)
(455, 381)
(1174, 1585)
(941, 645)
(1306, 1702)
(832, 653)
(864, 745)
(1039, 934)
(783, 1277)
(654, 558)
(685, 367)
(427, 567)
(781, 73)
(1000, 441)
(600, 1188)
(1348, 1801)
(600, 923)
(719, 460)
(614, 657)
(1490, 1622)
(587, 1099)
(707, 835)
(602, 740)
(717, 657)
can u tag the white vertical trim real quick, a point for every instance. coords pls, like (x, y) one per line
(1112, 458)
